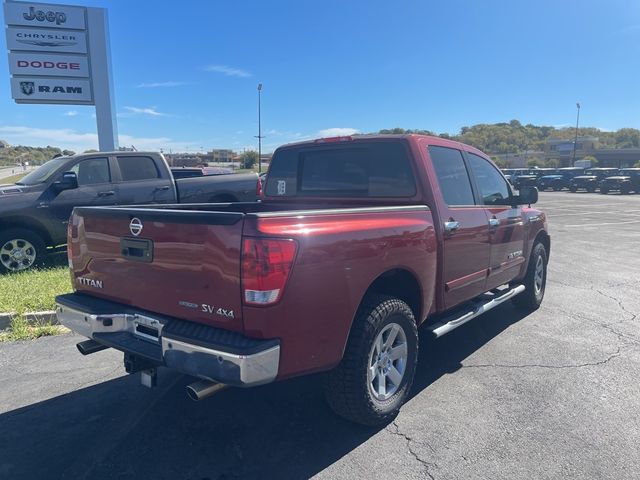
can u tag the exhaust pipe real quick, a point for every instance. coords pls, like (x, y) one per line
(90, 346)
(203, 389)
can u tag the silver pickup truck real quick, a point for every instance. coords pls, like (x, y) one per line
(35, 211)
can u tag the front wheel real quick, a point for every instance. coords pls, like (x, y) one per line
(20, 249)
(375, 375)
(535, 280)
(573, 189)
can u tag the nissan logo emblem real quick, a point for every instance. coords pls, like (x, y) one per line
(135, 226)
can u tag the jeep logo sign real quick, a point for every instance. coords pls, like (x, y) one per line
(41, 16)
(44, 15)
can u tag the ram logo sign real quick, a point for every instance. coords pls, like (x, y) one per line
(55, 90)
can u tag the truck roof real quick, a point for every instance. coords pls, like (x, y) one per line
(385, 136)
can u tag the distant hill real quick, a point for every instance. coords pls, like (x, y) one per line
(513, 137)
(34, 155)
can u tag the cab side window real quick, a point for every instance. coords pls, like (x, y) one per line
(137, 168)
(92, 171)
(452, 174)
(493, 187)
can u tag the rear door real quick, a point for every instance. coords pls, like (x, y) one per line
(140, 181)
(466, 228)
(506, 227)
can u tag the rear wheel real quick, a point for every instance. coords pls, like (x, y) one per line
(535, 280)
(573, 189)
(557, 188)
(604, 190)
(591, 189)
(375, 375)
(20, 249)
(624, 190)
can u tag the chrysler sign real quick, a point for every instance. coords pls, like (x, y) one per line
(43, 40)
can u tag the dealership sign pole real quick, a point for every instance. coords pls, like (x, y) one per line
(59, 54)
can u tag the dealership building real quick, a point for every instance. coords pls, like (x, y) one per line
(561, 151)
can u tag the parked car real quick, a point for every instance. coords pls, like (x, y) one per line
(590, 180)
(35, 211)
(627, 181)
(560, 179)
(357, 243)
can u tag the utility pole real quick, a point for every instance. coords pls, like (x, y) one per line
(575, 141)
(259, 136)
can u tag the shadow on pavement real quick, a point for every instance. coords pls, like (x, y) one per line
(119, 429)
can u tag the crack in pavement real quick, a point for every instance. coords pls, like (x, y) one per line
(617, 353)
(427, 465)
(619, 302)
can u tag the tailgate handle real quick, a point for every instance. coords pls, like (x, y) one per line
(137, 249)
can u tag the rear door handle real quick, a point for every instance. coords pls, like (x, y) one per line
(106, 194)
(451, 226)
(165, 188)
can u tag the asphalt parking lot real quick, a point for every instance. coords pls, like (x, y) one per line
(554, 394)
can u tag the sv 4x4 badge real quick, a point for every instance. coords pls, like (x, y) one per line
(210, 309)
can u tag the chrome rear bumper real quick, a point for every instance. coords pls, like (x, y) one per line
(199, 350)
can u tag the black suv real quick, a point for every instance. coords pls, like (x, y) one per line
(591, 179)
(627, 181)
(560, 179)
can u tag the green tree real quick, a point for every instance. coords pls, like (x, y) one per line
(248, 159)
(637, 165)
(593, 161)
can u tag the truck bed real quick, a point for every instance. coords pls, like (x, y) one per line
(186, 263)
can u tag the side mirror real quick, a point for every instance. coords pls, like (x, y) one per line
(69, 181)
(527, 196)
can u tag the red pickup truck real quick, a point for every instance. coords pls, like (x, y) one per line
(357, 243)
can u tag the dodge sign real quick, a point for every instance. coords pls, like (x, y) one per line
(51, 65)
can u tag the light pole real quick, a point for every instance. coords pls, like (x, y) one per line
(259, 136)
(575, 141)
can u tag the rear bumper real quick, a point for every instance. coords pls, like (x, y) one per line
(199, 350)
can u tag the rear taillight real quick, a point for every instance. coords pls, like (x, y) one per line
(266, 264)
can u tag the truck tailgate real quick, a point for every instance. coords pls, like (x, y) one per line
(179, 263)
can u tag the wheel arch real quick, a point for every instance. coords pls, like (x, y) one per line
(27, 224)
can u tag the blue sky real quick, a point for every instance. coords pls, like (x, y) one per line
(185, 73)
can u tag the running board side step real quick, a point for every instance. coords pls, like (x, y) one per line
(445, 326)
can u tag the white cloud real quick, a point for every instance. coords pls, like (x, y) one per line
(338, 132)
(161, 84)
(69, 139)
(229, 71)
(145, 111)
(71, 113)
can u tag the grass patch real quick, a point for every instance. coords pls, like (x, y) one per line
(22, 330)
(12, 179)
(33, 290)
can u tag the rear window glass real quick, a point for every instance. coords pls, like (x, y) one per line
(137, 168)
(362, 170)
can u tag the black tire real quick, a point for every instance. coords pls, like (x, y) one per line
(604, 190)
(591, 189)
(573, 189)
(557, 188)
(531, 298)
(17, 237)
(625, 190)
(348, 390)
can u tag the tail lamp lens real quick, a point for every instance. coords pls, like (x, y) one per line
(266, 264)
